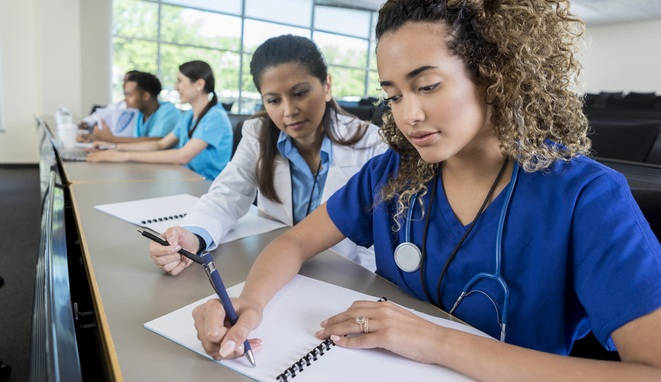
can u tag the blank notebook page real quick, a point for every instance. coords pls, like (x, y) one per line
(164, 212)
(156, 213)
(287, 330)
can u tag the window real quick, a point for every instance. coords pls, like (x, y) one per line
(341, 20)
(159, 35)
(256, 32)
(295, 12)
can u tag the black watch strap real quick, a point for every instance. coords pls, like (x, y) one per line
(203, 244)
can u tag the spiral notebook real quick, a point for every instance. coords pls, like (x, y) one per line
(164, 212)
(290, 350)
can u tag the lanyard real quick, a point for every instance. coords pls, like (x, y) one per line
(454, 252)
(314, 184)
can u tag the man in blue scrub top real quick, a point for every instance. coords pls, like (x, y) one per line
(155, 119)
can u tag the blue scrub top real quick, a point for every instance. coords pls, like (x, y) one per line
(160, 123)
(577, 252)
(215, 129)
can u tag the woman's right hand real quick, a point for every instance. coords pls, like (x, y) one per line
(166, 257)
(221, 340)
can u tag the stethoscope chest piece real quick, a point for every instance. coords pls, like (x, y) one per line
(408, 257)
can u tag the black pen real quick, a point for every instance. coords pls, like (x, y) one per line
(214, 278)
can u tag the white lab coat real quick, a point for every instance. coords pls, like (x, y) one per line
(234, 189)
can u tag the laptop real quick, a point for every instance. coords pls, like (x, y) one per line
(78, 153)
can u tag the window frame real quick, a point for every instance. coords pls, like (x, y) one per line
(242, 52)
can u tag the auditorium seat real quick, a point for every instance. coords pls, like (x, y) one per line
(631, 141)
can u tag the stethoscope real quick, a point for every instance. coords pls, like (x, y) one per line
(409, 257)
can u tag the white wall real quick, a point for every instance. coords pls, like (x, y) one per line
(623, 57)
(51, 51)
(21, 76)
(95, 49)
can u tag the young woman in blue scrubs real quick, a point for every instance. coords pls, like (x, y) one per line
(202, 140)
(294, 155)
(487, 138)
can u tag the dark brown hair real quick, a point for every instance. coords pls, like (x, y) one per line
(196, 70)
(300, 50)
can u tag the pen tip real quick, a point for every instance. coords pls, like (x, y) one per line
(251, 358)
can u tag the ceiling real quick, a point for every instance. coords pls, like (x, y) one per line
(594, 12)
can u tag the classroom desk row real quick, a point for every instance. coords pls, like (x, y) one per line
(129, 290)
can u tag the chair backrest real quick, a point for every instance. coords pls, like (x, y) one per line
(237, 136)
(237, 124)
(633, 102)
(639, 95)
(227, 106)
(648, 201)
(630, 141)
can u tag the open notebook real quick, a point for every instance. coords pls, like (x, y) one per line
(161, 213)
(290, 320)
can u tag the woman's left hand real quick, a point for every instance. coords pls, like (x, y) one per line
(389, 327)
(107, 156)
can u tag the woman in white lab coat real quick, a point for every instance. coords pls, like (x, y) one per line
(293, 156)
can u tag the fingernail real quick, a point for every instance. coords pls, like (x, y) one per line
(334, 338)
(319, 333)
(227, 348)
(323, 323)
(240, 349)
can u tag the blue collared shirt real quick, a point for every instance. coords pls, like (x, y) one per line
(302, 178)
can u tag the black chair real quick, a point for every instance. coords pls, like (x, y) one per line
(612, 95)
(649, 201)
(631, 141)
(236, 120)
(227, 106)
(236, 131)
(631, 103)
(592, 100)
(639, 95)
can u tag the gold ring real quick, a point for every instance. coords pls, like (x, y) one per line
(362, 321)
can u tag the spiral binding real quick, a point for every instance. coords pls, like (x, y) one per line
(164, 218)
(305, 361)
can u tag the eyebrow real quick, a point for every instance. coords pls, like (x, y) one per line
(412, 74)
(293, 87)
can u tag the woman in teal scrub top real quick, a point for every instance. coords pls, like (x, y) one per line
(202, 140)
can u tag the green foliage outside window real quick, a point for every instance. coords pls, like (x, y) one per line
(216, 40)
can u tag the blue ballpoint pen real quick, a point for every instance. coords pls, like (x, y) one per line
(216, 281)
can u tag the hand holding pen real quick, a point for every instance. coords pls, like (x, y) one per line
(229, 346)
(167, 257)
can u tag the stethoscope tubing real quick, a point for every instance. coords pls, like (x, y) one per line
(497, 275)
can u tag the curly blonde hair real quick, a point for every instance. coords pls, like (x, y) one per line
(524, 52)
